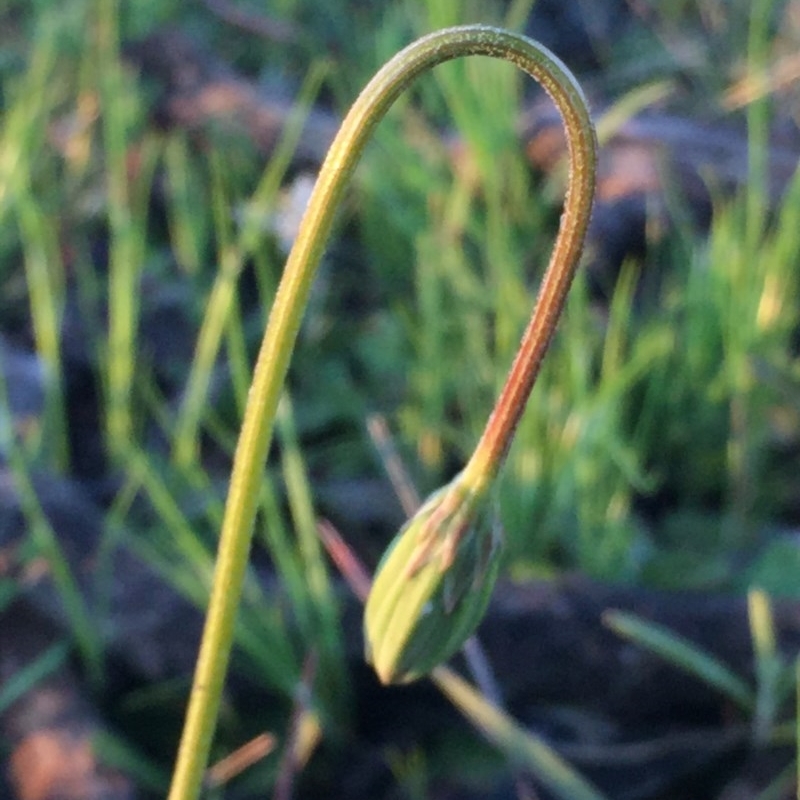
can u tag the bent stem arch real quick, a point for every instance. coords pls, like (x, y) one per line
(289, 305)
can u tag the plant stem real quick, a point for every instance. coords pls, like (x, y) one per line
(290, 302)
(490, 452)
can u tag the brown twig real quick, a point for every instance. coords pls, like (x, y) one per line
(291, 759)
(275, 30)
(393, 464)
(239, 760)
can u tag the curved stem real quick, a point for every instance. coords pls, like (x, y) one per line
(490, 452)
(290, 302)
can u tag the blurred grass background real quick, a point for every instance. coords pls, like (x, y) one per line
(661, 441)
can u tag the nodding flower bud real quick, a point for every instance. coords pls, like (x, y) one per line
(432, 585)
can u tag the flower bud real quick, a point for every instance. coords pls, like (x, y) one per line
(432, 585)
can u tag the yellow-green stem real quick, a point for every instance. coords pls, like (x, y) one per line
(286, 314)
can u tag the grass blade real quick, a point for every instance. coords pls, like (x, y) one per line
(26, 678)
(682, 654)
(520, 746)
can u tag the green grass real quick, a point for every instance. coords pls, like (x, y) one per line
(653, 450)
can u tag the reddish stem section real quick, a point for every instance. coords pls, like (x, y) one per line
(499, 432)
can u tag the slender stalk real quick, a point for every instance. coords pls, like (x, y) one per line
(495, 441)
(290, 302)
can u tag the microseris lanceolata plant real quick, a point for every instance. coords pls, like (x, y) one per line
(433, 585)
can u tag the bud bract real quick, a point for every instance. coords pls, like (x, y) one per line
(432, 586)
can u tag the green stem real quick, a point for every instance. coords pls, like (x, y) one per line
(290, 302)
